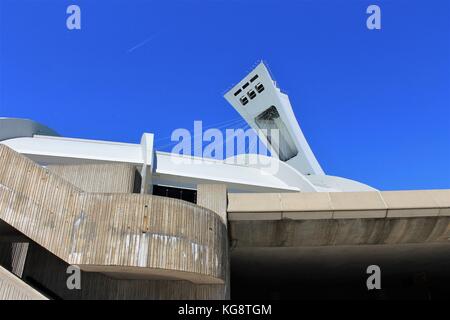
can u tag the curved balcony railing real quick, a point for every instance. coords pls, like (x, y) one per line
(130, 236)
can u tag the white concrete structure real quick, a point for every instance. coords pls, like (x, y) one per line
(264, 228)
(259, 102)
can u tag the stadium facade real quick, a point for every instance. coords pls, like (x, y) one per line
(144, 224)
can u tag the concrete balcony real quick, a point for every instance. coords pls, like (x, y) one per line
(339, 218)
(126, 236)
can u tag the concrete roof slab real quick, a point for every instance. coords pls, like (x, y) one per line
(441, 197)
(307, 215)
(305, 201)
(350, 201)
(359, 214)
(253, 216)
(412, 199)
(254, 202)
(409, 213)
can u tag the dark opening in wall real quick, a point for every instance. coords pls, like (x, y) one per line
(259, 87)
(42, 288)
(408, 271)
(137, 182)
(177, 193)
(254, 78)
(284, 144)
(244, 100)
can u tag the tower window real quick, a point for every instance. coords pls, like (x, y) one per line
(259, 87)
(251, 94)
(254, 78)
(282, 143)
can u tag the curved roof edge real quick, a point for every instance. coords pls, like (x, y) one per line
(11, 128)
(272, 166)
(338, 184)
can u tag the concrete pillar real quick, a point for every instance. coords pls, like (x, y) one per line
(148, 154)
(214, 197)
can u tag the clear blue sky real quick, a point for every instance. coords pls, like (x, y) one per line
(374, 105)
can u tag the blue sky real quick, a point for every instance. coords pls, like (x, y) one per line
(374, 105)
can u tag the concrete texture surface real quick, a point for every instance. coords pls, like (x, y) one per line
(335, 232)
(129, 235)
(13, 288)
(47, 273)
(338, 205)
(104, 178)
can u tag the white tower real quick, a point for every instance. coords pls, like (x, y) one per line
(261, 103)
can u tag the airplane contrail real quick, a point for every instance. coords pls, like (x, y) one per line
(142, 43)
